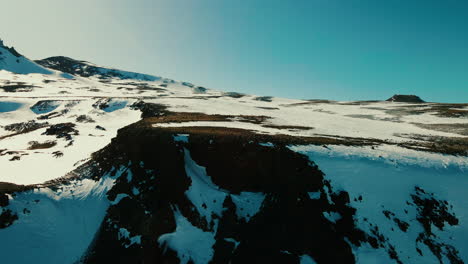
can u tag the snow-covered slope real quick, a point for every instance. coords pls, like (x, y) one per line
(11, 60)
(100, 165)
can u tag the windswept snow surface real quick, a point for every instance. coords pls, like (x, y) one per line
(190, 242)
(17, 63)
(40, 165)
(203, 193)
(21, 65)
(55, 226)
(9, 106)
(386, 184)
(107, 101)
(307, 260)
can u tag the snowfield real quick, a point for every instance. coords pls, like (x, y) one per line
(403, 165)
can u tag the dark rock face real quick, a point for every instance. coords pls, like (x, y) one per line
(149, 109)
(264, 98)
(433, 212)
(13, 87)
(405, 98)
(3, 200)
(82, 68)
(44, 106)
(84, 119)
(7, 217)
(12, 50)
(289, 223)
(69, 65)
(62, 130)
(25, 127)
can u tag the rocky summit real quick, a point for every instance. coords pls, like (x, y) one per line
(403, 98)
(100, 165)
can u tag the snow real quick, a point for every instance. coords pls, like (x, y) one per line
(190, 242)
(267, 144)
(305, 259)
(119, 198)
(232, 240)
(314, 195)
(30, 168)
(181, 138)
(115, 105)
(57, 226)
(389, 154)
(384, 175)
(332, 216)
(231, 124)
(124, 233)
(248, 204)
(387, 185)
(46, 107)
(22, 65)
(207, 197)
(9, 106)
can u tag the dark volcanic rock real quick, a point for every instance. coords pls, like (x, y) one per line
(435, 213)
(62, 130)
(25, 127)
(289, 223)
(84, 119)
(4, 201)
(86, 69)
(405, 98)
(7, 217)
(44, 106)
(69, 65)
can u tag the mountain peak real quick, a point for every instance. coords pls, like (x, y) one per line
(10, 49)
(12, 61)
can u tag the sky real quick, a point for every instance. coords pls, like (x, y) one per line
(305, 49)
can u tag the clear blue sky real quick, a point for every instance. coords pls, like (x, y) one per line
(331, 49)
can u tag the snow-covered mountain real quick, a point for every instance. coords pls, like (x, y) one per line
(12, 61)
(100, 165)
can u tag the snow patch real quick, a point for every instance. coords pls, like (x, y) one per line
(207, 197)
(305, 259)
(267, 144)
(181, 138)
(190, 242)
(119, 198)
(124, 233)
(314, 195)
(247, 204)
(332, 216)
(114, 105)
(232, 240)
(55, 227)
(9, 106)
(388, 186)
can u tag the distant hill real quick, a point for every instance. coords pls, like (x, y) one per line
(404, 98)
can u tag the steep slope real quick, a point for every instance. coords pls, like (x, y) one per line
(116, 167)
(11, 60)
